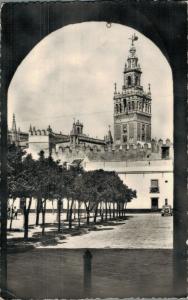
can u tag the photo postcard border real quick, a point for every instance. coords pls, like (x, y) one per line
(156, 19)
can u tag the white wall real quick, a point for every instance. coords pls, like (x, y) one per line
(141, 183)
(137, 175)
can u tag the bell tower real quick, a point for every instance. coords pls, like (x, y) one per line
(132, 106)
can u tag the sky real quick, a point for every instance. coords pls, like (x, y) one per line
(71, 74)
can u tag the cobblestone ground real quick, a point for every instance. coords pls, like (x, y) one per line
(138, 231)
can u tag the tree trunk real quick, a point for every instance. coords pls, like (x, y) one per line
(78, 214)
(100, 209)
(95, 215)
(101, 212)
(11, 214)
(88, 215)
(67, 218)
(110, 212)
(113, 211)
(122, 210)
(118, 210)
(121, 207)
(106, 211)
(43, 216)
(26, 218)
(38, 210)
(125, 206)
(59, 203)
(70, 214)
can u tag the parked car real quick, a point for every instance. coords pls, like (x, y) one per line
(166, 210)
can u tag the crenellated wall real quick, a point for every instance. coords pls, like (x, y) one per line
(148, 151)
(65, 151)
(38, 140)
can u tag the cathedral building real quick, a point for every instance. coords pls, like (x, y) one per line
(132, 107)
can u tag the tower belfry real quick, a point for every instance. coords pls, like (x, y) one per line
(132, 107)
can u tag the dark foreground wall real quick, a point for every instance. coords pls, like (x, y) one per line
(57, 273)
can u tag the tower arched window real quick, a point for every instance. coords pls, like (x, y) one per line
(129, 80)
(124, 103)
(120, 108)
(129, 106)
(117, 108)
(136, 80)
(133, 107)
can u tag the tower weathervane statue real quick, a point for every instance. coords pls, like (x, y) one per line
(133, 38)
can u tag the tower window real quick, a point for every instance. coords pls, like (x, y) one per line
(147, 133)
(117, 131)
(133, 107)
(143, 132)
(131, 130)
(129, 81)
(124, 138)
(125, 128)
(117, 108)
(125, 103)
(136, 80)
(138, 131)
(120, 108)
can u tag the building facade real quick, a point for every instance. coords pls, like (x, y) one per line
(153, 181)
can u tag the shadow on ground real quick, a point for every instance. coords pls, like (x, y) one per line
(52, 237)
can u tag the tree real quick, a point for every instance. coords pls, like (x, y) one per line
(14, 167)
(27, 185)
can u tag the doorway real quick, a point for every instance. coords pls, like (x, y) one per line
(154, 203)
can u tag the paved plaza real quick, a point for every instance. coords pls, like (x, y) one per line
(138, 231)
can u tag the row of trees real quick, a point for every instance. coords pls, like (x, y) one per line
(102, 194)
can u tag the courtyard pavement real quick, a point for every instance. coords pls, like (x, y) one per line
(138, 231)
